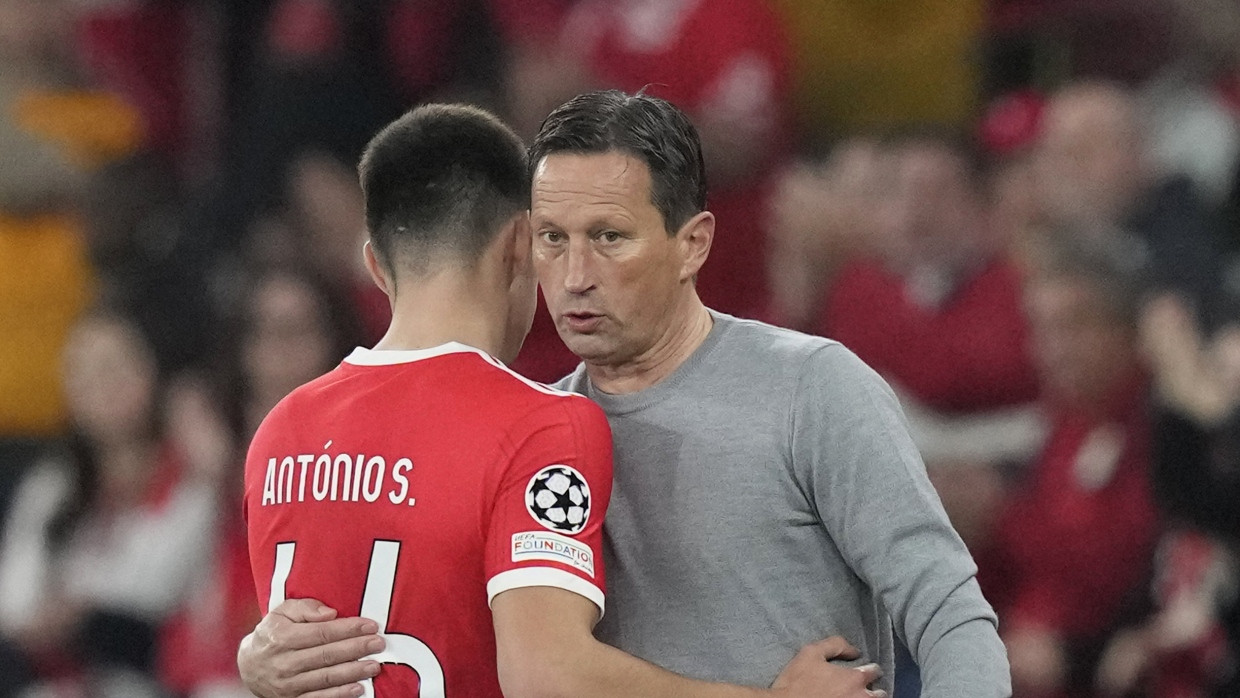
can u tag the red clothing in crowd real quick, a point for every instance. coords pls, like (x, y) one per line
(420, 39)
(523, 21)
(969, 354)
(707, 58)
(198, 646)
(1075, 546)
(544, 357)
(139, 51)
(1189, 568)
(374, 310)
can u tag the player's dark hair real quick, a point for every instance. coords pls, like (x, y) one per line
(438, 182)
(645, 127)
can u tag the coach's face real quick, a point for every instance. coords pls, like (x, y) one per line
(612, 275)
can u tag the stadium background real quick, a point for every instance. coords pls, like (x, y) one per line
(1021, 212)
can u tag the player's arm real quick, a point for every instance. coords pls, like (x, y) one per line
(542, 654)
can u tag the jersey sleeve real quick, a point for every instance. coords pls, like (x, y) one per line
(546, 523)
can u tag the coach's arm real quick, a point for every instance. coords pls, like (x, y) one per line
(555, 655)
(853, 451)
(302, 650)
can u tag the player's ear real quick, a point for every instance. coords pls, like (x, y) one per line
(520, 241)
(377, 273)
(694, 239)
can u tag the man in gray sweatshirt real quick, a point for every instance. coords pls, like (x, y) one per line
(766, 490)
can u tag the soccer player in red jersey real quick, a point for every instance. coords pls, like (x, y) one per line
(425, 487)
(421, 478)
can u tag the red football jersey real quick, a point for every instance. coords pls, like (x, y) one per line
(411, 487)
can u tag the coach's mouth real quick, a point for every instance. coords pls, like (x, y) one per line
(582, 321)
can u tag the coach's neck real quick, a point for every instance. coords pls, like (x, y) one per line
(682, 331)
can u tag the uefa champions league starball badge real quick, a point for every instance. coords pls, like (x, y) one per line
(559, 499)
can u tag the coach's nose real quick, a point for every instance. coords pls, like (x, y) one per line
(579, 271)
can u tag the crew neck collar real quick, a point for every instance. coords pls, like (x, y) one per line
(623, 403)
(362, 356)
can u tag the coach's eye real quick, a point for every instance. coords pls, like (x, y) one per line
(610, 236)
(551, 237)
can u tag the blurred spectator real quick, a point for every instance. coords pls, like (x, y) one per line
(288, 328)
(142, 50)
(936, 308)
(1008, 131)
(822, 215)
(104, 540)
(1093, 170)
(318, 227)
(932, 303)
(874, 66)
(149, 257)
(1179, 650)
(324, 207)
(541, 69)
(727, 65)
(320, 82)
(53, 132)
(1197, 446)
(195, 653)
(1195, 105)
(1073, 548)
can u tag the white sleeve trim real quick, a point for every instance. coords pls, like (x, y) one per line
(544, 577)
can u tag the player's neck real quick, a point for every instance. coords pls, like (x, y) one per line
(444, 310)
(686, 329)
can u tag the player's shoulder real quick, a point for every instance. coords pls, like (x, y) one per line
(526, 409)
(523, 395)
(300, 401)
(314, 390)
(517, 386)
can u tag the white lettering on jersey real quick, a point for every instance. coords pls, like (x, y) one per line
(340, 477)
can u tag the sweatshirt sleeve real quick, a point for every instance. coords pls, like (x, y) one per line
(852, 449)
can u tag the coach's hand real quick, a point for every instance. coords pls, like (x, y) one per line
(301, 650)
(811, 673)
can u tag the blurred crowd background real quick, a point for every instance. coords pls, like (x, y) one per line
(1025, 214)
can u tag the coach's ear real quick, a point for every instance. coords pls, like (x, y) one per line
(377, 273)
(694, 239)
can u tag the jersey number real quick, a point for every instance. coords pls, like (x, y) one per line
(376, 603)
